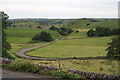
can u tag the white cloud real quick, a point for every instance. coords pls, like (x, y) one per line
(60, 8)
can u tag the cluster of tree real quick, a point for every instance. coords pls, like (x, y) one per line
(62, 30)
(5, 45)
(43, 36)
(102, 31)
(114, 48)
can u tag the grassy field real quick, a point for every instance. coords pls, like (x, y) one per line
(26, 34)
(86, 47)
(82, 23)
(81, 33)
(19, 39)
(97, 66)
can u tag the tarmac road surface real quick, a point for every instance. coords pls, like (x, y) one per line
(15, 74)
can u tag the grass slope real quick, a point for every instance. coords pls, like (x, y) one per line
(87, 47)
(26, 34)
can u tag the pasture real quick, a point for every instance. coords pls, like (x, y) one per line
(23, 35)
(86, 47)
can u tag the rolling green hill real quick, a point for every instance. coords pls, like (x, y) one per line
(86, 23)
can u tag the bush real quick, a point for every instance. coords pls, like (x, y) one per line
(43, 36)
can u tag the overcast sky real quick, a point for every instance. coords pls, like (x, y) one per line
(60, 8)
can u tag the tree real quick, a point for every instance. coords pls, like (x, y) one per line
(43, 36)
(65, 31)
(52, 28)
(39, 27)
(76, 31)
(102, 31)
(114, 47)
(88, 24)
(116, 31)
(5, 45)
(91, 33)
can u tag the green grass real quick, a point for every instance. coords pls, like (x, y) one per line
(78, 35)
(98, 66)
(19, 39)
(82, 23)
(87, 47)
(113, 23)
(28, 32)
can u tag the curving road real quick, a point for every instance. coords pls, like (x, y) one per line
(22, 53)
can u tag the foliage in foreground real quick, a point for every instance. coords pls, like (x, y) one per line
(5, 45)
(28, 67)
(114, 47)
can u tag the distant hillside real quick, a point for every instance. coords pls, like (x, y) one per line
(71, 23)
(93, 23)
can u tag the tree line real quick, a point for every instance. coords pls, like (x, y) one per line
(103, 31)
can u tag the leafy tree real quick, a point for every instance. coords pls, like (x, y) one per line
(52, 28)
(65, 31)
(39, 27)
(88, 24)
(114, 47)
(102, 31)
(91, 33)
(5, 45)
(43, 36)
(116, 31)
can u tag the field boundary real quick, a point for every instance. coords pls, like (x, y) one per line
(85, 74)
